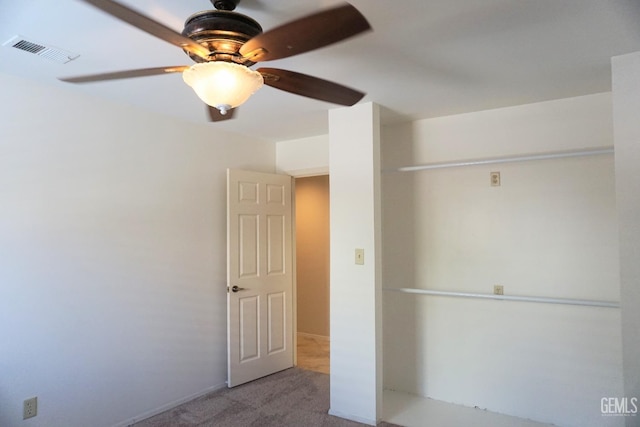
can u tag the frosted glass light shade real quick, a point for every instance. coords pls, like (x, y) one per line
(223, 85)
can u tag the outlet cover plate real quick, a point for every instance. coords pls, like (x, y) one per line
(495, 179)
(30, 408)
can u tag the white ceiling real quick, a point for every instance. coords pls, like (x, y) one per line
(425, 58)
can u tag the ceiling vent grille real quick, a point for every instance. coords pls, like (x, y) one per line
(49, 52)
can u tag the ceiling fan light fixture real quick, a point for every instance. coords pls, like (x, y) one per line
(222, 85)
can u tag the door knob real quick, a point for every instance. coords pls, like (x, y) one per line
(236, 288)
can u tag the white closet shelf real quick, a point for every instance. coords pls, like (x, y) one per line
(546, 300)
(509, 159)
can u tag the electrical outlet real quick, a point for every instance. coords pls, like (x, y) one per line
(498, 290)
(495, 179)
(30, 408)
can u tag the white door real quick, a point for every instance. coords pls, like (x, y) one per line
(259, 275)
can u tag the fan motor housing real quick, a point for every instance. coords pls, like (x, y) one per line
(223, 33)
(225, 4)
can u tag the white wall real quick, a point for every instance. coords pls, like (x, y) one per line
(549, 230)
(303, 157)
(626, 96)
(112, 256)
(355, 321)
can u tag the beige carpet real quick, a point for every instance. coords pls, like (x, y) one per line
(294, 397)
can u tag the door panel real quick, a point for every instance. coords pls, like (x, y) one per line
(277, 320)
(276, 245)
(248, 242)
(259, 266)
(249, 339)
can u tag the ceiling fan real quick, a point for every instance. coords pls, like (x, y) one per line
(224, 44)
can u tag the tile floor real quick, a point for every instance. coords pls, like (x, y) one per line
(313, 353)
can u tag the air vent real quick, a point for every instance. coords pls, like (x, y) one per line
(49, 52)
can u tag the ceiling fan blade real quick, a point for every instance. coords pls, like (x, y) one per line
(150, 26)
(216, 116)
(306, 34)
(124, 74)
(311, 87)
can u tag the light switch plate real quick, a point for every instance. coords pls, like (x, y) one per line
(359, 256)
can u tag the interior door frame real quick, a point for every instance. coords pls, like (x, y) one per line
(294, 318)
(294, 271)
(306, 173)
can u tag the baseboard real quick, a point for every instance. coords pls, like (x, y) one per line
(168, 406)
(353, 418)
(318, 337)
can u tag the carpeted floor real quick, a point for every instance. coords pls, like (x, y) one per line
(294, 397)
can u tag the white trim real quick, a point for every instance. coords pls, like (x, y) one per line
(294, 273)
(168, 406)
(352, 418)
(305, 173)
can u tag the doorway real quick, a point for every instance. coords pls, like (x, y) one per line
(312, 272)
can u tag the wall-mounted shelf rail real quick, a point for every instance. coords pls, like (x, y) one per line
(546, 300)
(509, 159)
